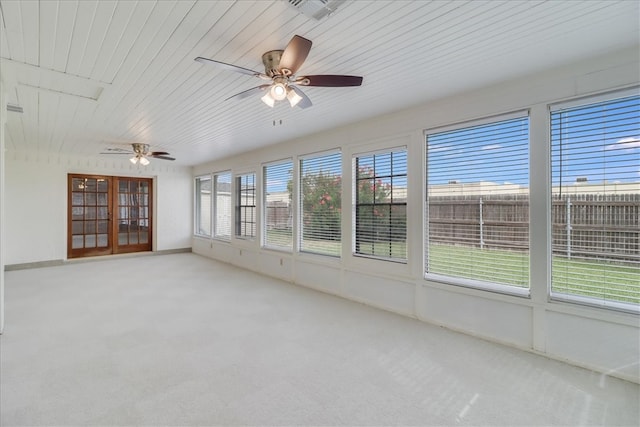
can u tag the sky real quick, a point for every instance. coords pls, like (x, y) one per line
(599, 142)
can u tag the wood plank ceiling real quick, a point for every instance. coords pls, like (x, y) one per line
(91, 74)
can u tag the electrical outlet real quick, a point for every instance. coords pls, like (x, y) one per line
(281, 261)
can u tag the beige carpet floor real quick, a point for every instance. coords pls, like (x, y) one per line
(184, 340)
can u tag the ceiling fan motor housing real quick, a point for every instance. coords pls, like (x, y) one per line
(271, 61)
(139, 148)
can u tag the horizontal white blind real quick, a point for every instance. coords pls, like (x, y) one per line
(477, 206)
(381, 205)
(278, 186)
(246, 206)
(203, 206)
(596, 201)
(321, 204)
(222, 205)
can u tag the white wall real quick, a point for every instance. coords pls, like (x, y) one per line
(3, 112)
(36, 202)
(559, 330)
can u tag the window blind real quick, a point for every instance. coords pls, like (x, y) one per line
(595, 155)
(203, 206)
(321, 204)
(278, 187)
(477, 209)
(222, 205)
(381, 205)
(246, 206)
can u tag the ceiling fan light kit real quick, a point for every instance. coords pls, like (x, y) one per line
(280, 68)
(293, 97)
(278, 91)
(139, 158)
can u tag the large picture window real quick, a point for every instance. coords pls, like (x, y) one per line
(203, 206)
(596, 201)
(477, 209)
(321, 204)
(222, 205)
(246, 206)
(381, 205)
(278, 188)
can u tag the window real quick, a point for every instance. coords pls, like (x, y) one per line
(222, 205)
(381, 205)
(246, 206)
(203, 206)
(595, 154)
(278, 188)
(477, 210)
(321, 204)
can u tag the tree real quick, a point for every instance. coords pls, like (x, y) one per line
(322, 205)
(322, 202)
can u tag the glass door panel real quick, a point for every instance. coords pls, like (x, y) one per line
(87, 233)
(134, 214)
(108, 215)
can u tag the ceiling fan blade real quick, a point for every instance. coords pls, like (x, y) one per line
(294, 54)
(329, 80)
(248, 92)
(117, 152)
(158, 153)
(161, 157)
(305, 102)
(231, 67)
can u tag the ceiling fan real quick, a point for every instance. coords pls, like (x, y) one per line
(140, 153)
(280, 68)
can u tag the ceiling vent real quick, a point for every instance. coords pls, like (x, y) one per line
(316, 9)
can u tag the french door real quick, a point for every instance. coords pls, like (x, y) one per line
(108, 215)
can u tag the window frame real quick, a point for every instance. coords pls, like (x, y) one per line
(265, 209)
(214, 232)
(238, 207)
(197, 208)
(467, 282)
(355, 204)
(300, 201)
(574, 104)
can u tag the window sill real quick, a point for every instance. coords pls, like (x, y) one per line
(479, 286)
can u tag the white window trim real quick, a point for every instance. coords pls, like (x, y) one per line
(593, 99)
(263, 231)
(195, 211)
(374, 152)
(215, 206)
(299, 208)
(485, 120)
(462, 281)
(234, 194)
(555, 108)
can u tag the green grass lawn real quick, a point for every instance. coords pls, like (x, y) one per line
(570, 276)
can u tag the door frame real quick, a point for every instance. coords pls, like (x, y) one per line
(113, 227)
